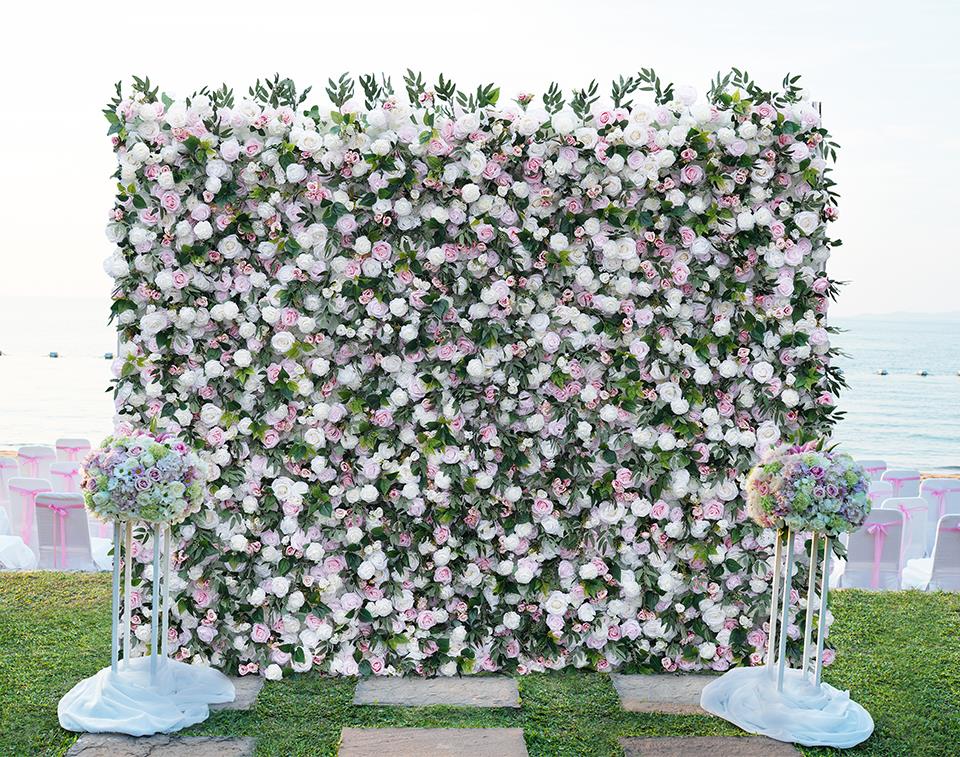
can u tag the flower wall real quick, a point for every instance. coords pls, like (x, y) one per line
(477, 382)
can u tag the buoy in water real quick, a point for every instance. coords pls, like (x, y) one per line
(922, 372)
(882, 372)
(108, 356)
(54, 354)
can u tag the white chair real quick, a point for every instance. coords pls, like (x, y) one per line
(35, 460)
(873, 468)
(914, 511)
(905, 481)
(65, 476)
(942, 570)
(71, 449)
(63, 537)
(943, 498)
(23, 493)
(879, 491)
(873, 552)
(8, 469)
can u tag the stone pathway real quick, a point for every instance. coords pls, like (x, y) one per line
(707, 746)
(247, 688)
(470, 691)
(432, 742)
(116, 745)
(671, 694)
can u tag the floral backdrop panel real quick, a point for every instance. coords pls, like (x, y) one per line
(477, 383)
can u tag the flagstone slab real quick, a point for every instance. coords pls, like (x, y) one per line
(435, 742)
(671, 694)
(707, 746)
(247, 688)
(471, 691)
(162, 745)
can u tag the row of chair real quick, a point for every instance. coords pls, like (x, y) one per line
(43, 521)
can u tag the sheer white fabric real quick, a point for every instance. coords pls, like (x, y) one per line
(65, 476)
(15, 555)
(873, 552)
(914, 511)
(125, 702)
(802, 713)
(21, 507)
(879, 491)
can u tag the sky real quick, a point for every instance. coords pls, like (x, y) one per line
(887, 75)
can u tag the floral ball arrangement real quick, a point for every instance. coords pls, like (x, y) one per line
(807, 489)
(142, 477)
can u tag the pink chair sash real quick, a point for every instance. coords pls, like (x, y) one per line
(72, 450)
(60, 526)
(26, 528)
(879, 533)
(69, 476)
(908, 511)
(875, 469)
(898, 482)
(941, 496)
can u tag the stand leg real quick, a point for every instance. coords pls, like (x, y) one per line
(167, 548)
(785, 610)
(115, 614)
(811, 587)
(822, 628)
(127, 588)
(155, 605)
(774, 596)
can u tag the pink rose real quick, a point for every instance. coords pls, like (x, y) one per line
(260, 633)
(692, 174)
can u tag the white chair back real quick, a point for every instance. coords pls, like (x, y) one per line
(72, 449)
(914, 511)
(879, 491)
(35, 460)
(63, 537)
(873, 468)
(874, 552)
(943, 498)
(23, 493)
(905, 481)
(8, 469)
(65, 476)
(946, 555)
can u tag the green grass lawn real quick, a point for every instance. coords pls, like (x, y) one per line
(898, 653)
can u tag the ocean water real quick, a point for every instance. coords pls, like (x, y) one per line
(903, 418)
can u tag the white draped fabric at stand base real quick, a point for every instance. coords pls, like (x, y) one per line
(125, 702)
(803, 713)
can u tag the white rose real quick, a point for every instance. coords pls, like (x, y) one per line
(282, 341)
(762, 372)
(242, 358)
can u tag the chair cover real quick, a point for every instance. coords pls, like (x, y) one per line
(23, 492)
(873, 468)
(63, 537)
(942, 570)
(8, 469)
(906, 481)
(72, 449)
(873, 552)
(943, 498)
(15, 555)
(914, 511)
(65, 476)
(35, 460)
(879, 491)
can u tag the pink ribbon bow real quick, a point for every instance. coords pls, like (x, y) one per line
(941, 496)
(73, 450)
(879, 533)
(908, 511)
(26, 528)
(60, 526)
(899, 482)
(69, 476)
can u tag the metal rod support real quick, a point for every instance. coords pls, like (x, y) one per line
(115, 607)
(127, 586)
(167, 549)
(155, 605)
(774, 595)
(824, 590)
(811, 588)
(785, 610)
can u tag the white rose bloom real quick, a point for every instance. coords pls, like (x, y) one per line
(282, 341)
(762, 372)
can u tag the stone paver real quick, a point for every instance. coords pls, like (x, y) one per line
(116, 745)
(247, 688)
(672, 694)
(471, 691)
(707, 746)
(432, 742)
